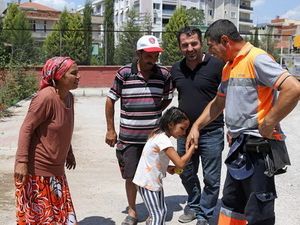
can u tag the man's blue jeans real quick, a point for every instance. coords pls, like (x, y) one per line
(210, 147)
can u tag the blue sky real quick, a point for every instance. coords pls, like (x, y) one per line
(264, 10)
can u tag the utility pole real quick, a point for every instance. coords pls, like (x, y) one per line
(60, 42)
(105, 44)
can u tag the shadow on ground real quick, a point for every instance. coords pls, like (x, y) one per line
(97, 220)
(172, 202)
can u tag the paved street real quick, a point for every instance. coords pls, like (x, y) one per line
(96, 185)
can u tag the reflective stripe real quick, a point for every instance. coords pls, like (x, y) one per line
(245, 82)
(228, 217)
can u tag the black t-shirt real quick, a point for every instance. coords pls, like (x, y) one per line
(196, 88)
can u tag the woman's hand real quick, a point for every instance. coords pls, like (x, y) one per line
(70, 162)
(21, 172)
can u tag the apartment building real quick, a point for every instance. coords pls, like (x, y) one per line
(237, 11)
(2, 7)
(42, 19)
(160, 12)
(284, 31)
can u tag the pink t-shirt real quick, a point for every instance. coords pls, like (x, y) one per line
(45, 135)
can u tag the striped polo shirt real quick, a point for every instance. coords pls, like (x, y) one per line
(250, 85)
(140, 102)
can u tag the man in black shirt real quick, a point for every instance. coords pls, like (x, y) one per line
(197, 78)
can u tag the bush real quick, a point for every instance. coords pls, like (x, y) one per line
(16, 84)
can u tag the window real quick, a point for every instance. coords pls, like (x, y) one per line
(98, 9)
(40, 26)
(165, 21)
(210, 12)
(33, 25)
(169, 7)
(156, 6)
(45, 26)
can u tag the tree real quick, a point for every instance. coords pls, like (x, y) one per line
(171, 52)
(87, 27)
(109, 40)
(147, 24)
(17, 34)
(256, 40)
(4, 54)
(67, 39)
(74, 39)
(195, 17)
(125, 51)
(268, 44)
(54, 44)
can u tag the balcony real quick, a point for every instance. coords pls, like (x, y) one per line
(245, 20)
(167, 12)
(246, 7)
(170, 1)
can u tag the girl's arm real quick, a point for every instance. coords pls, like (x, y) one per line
(178, 161)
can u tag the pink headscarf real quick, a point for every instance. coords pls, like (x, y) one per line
(54, 69)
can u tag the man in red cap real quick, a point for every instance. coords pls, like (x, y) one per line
(145, 90)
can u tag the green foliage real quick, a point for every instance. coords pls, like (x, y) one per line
(268, 44)
(256, 40)
(8, 21)
(17, 84)
(109, 39)
(195, 17)
(74, 39)
(17, 34)
(4, 51)
(67, 39)
(171, 52)
(126, 49)
(87, 27)
(98, 59)
(147, 24)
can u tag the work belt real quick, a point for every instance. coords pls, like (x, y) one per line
(274, 153)
(256, 144)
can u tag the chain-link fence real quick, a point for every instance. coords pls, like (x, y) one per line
(50, 42)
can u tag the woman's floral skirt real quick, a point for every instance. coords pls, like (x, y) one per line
(44, 200)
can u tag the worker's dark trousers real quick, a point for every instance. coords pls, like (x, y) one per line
(253, 197)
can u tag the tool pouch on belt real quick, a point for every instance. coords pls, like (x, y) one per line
(275, 153)
(257, 144)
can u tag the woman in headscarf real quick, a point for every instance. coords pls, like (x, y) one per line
(44, 148)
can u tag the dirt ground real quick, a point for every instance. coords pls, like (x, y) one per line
(96, 185)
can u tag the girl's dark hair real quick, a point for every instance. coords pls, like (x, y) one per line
(172, 115)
